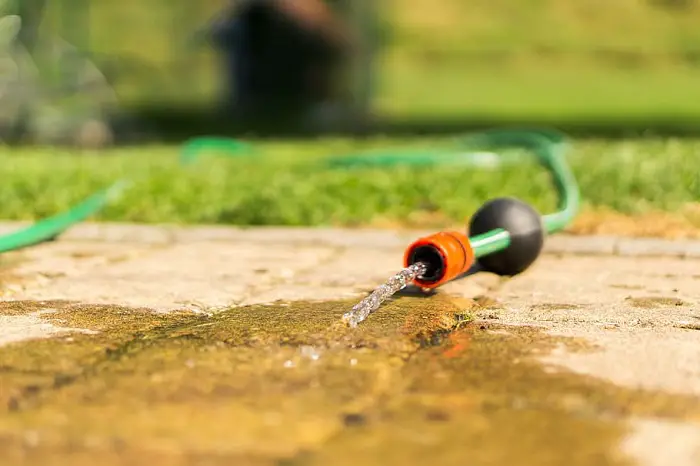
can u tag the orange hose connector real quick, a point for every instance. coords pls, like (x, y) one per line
(447, 255)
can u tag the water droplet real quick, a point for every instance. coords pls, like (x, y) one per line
(310, 352)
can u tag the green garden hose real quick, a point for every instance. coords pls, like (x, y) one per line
(548, 146)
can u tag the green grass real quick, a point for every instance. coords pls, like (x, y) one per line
(286, 184)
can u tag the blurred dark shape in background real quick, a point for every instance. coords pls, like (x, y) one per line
(285, 64)
(282, 57)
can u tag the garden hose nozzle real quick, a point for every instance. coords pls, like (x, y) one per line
(506, 235)
(445, 255)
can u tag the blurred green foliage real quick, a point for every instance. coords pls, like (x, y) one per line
(554, 59)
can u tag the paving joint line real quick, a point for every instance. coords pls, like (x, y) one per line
(558, 244)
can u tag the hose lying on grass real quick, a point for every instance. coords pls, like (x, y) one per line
(548, 146)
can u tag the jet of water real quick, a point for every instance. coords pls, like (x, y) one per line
(372, 302)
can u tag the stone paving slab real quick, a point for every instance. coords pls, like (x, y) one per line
(567, 292)
(636, 301)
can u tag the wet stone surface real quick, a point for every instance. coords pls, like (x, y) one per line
(215, 355)
(285, 384)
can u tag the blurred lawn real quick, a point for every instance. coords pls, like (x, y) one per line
(552, 60)
(286, 184)
(557, 94)
(535, 59)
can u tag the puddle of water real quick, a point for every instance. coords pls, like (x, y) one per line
(414, 384)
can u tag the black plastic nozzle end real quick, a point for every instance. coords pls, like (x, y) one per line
(522, 222)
